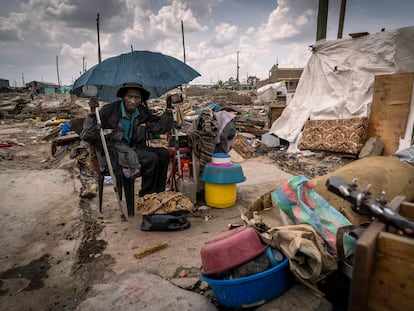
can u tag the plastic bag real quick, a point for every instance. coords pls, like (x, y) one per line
(165, 222)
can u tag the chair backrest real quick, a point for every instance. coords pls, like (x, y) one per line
(77, 125)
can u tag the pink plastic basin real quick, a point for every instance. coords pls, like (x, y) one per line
(230, 249)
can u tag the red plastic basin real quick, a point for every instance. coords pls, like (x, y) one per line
(230, 249)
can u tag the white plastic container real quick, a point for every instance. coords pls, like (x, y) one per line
(189, 189)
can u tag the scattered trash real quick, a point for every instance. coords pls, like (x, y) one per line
(7, 144)
(65, 128)
(203, 208)
(270, 140)
(89, 193)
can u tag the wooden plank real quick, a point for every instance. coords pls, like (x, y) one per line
(275, 111)
(397, 246)
(392, 284)
(52, 133)
(67, 139)
(364, 258)
(389, 110)
(61, 140)
(362, 269)
(407, 210)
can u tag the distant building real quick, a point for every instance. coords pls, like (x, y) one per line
(65, 89)
(44, 87)
(4, 83)
(291, 77)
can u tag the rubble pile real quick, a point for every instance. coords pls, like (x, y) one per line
(46, 114)
(222, 96)
(45, 106)
(309, 164)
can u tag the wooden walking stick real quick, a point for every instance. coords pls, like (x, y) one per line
(122, 207)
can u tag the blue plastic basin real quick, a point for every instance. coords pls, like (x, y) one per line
(252, 290)
(223, 174)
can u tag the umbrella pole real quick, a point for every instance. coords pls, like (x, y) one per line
(108, 161)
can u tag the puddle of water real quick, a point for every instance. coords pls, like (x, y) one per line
(35, 271)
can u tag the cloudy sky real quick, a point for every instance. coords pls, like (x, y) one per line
(263, 32)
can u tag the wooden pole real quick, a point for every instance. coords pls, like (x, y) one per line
(99, 43)
(341, 19)
(322, 19)
(117, 191)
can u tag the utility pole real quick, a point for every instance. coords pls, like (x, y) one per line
(99, 42)
(57, 70)
(132, 48)
(83, 64)
(277, 69)
(182, 32)
(322, 19)
(238, 67)
(23, 79)
(341, 19)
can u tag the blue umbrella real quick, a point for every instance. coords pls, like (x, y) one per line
(156, 72)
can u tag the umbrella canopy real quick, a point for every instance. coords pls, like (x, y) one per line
(156, 72)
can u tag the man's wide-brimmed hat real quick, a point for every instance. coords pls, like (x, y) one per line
(133, 85)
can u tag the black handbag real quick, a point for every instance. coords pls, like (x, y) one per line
(165, 222)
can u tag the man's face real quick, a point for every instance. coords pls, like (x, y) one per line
(132, 99)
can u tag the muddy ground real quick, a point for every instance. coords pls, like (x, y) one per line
(56, 245)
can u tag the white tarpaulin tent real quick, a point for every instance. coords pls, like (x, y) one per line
(278, 86)
(337, 82)
(269, 92)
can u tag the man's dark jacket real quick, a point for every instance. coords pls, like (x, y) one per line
(146, 125)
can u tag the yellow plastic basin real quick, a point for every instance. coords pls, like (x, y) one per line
(220, 195)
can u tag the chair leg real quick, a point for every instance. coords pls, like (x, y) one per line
(119, 183)
(100, 190)
(129, 189)
(101, 179)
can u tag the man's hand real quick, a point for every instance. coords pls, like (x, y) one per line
(169, 102)
(93, 104)
(174, 99)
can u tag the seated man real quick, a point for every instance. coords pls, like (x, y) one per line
(131, 123)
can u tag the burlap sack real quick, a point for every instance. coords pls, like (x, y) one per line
(390, 174)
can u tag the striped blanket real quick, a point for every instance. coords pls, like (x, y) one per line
(202, 137)
(304, 206)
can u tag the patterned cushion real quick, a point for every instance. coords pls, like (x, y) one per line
(343, 135)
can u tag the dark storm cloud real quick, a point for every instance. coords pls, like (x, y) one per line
(12, 22)
(8, 33)
(34, 32)
(82, 14)
(8, 6)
